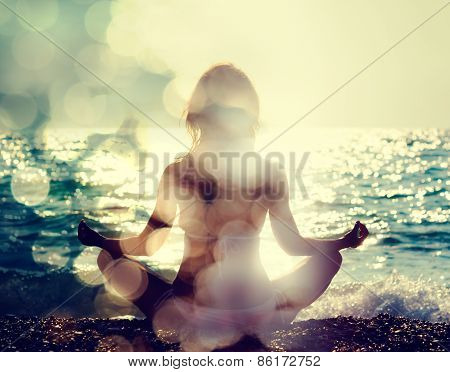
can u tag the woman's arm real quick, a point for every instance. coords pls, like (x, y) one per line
(151, 238)
(288, 236)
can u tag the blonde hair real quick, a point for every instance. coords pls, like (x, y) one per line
(224, 83)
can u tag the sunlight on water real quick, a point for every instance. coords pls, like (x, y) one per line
(56, 256)
(394, 181)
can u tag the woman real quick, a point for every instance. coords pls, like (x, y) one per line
(222, 210)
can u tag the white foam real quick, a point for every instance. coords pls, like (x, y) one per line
(396, 295)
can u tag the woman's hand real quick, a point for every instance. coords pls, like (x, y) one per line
(88, 236)
(356, 237)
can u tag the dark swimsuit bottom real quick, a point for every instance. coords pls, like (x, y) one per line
(266, 313)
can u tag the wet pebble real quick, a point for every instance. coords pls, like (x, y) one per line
(382, 333)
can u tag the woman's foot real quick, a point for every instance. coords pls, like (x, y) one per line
(88, 236)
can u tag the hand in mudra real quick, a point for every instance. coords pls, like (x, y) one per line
(357, 236)
(88, 236)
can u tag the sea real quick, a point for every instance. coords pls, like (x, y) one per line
(394, 180)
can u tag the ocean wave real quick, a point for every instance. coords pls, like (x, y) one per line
(391, 241)
(37, 293)
(396, 295)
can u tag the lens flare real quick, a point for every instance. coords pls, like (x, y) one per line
(17, 111)
(101, 60)
(86, 268)
(112, 305)
(30, 186)
(83, 105)
(209, 338)
(4, 17)
(53, 256)
(126, 278)
(123, 37)
(32, 51)
(194, 327)
(42, 14)
(174, 103)
(168, 322)
(97, 18)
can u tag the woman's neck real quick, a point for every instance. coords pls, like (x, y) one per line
(240, 145)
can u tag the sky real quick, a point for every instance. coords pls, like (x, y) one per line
(298, 52)
(147, 56)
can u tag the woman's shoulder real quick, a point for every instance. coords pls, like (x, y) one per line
(178, 167)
